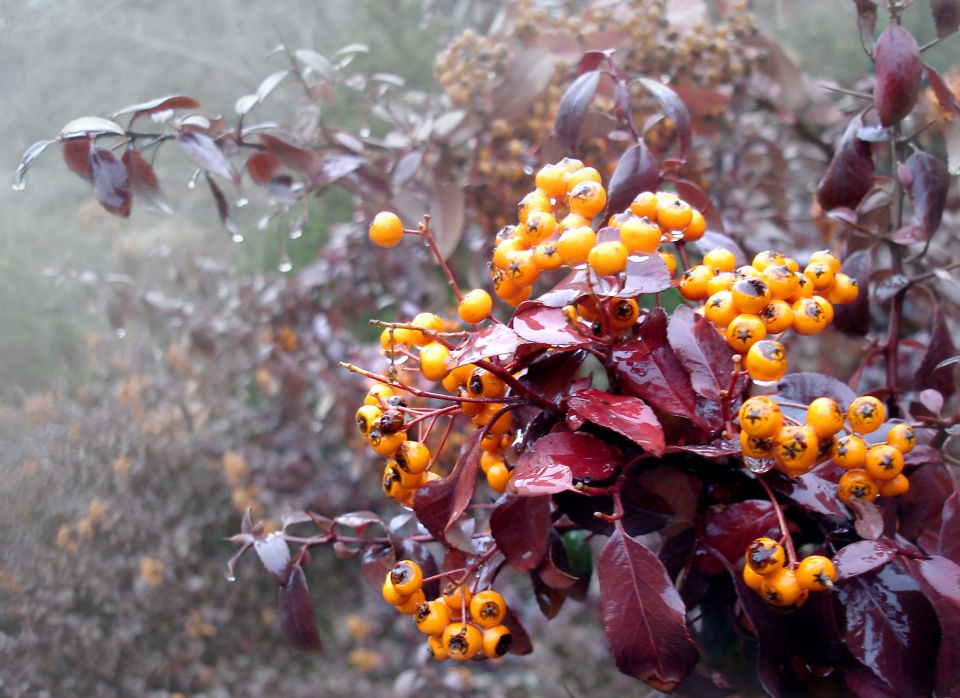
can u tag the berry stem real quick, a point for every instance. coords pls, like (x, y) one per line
(782, 523)
(727, 397)
(432, 413)
(432, 244)
(682, 251)
(422, 393)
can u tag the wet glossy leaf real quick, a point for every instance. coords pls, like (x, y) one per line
(636, 171)
(940, 346)
(807, 387)
(223, 207)
(815, 491)
(949, 543)
(264, 166)
(625, 415)
(448, 214)
(440, 503)
(866, 23)
(521, 643)
(76, 153)
(648, 275)
(651, 370)
(359, 520)
(90, 126)
(849, 175)
(315, 61)
(867, 519)
(946, 16)
(862, 557)
(730, 529)
(521, 527)
(489, 342)
(300, 160)
(571, 287)
(929, 181)
(551, 375)
(333, 168)
(890, 627)
(274, 555)
(854, 318)
(939, 579)
(675, 110)
(553, 462)
(204, 152)
(157, 105)
(297, 619)
(573, 107)
(111, 182)
(702, 352)
(643, 615)
(146, 188)
(899, 72)
(540, 324)
(31, 154)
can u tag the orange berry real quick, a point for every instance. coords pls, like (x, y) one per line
(573, 220)
(498, 476)
(766, 361)
(587, 198)
(386, 444)
(804, 289)
(850, 452)
(751, 578)
(796, 447)
(434, 360)
(623, 313)
(856, 484)
(462, 641)
(719, 308)
(390, 593)
(640, 236)
(844, 290)
(670, 261)
(608, 258)
(884, 462)
(781, 589)
(413, 457)
(720, 259)
(693, 283)
(427, 321)
(765, 556)
(386, 230)
(475, 306)
(584, 174)
(456, 595)
(539, 226)
(777, 316)
(552, 181)
(866, 414)
(825, 417)
(432, 617)
(895, 487)
(760, 416)
(808, 317)
(745, 331)
(750, 295)
(406, 577)
(826, 257)
(816, 573)
(497, 641)
(902, 437)
(768, 258)
(487, 608)
(644, 205)
(695, 228)
(674, 215)
(820, 275)
(755, 446)
(409, 606)
(534, 201)
(367, 417)
(723, 281)
(437, 649)
(521, 269)
(546, 256)
(575, 244)
(782, 282)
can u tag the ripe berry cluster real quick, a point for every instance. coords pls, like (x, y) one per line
(766, 298)
(478, 634)
(780, 584)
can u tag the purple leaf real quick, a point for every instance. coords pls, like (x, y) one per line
(866, 23)
(223, 208)
(675, 110)
(928, 186)
(807, 387)
(76, 153)
(849, 175)
(448, 213)
(626, 415)
(899, 72)
(204, 152)
(643, 615)
(636, 172)
(649, 275)
(949, 544)
(940, 346)
(300, 160)
(333, 168)
(551, 375)
(111, 183)
(592, 60)
(890, 627)
(554, 461)
(729, 530)
(939, 580)
(854, 318)
(521, 528)
(521, 643)
(702, 352)
(815, 491)
(867, 519)
(440, 503)
(946, 16)
(491, 341)
(295, 608)
(274, 555)
(540, 324)
(862, 557)
(573, 107)
(359, 520)
(144, 181)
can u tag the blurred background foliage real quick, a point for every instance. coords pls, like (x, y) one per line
(122, 471)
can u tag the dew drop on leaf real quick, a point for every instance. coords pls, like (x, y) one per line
(758, 465)
(236, 237)
(242, 201)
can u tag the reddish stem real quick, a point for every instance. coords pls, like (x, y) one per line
(782, 523)
(432, 244)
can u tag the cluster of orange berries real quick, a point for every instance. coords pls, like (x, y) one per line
(780, 585)
(796, 448)
(555, 229)
(768, 297)
(478, 634)
(382, 421)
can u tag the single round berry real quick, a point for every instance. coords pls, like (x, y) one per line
(719, 309)
(432, 617)
(390, 593)
(744, 331)
(777, 316)
(670, 262)
(584, 174)
(751, 578)
(768, 258)
(895, 487)
(825, 416)
(437, 649)
(456, 595)
(765, 556)
(820, 275)
(608, 258)
(409, 607)
(760, 416)
(640, 236)
(816, 573)
(497, 641)
(427, 321)
(804, 289)
(856, 484)
(574, 245)
(498, 476)
(367, 418)
(434, 361)
(547, 257)
(462, 641)
(720, 259)
(413, 457)
(796, 447)
(782, 282)
(644, 205)
(587, 198)
(504, 251)
(552, 181)
(722, 281)
(475, 306)
(623, 313)
(766, 361)
(378, 394)
(674, 215)
(755, 446)
(884, 462)
(408, 481)
(809, 317)
(534, 201)
(386, 230)
(828, 258)
(850, 452)
(866, 414)
(844, 290)
(539, 226)
(406, 577)
(522, 269)
(695, 228)
(902, 437)
(750, 295)
(386, 444)
(781, 589)
(487, 608)
(693, 283)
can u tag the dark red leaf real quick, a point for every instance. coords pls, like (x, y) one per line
(551, 375)
(157, 105)
(675, 110)
(521, 643)
(890, 627)
(521, 527)
(626, 415)
(359, 520)
(571, 287)
(815, 491)
(648, 275)
(375, 562)
(921, 516)
(223, 208)
(898, 74)
(573, 107)
(264, 166)
(863, 683)
(854, 318)
(552, 463)
(440, 503)
(76, 153)
(939, 579)
(730, 529)
(495, 340)
(448, 213)
(636, 171)
(274, 555)
(866, 23)
(591, 60)
(867, 519)
(204, 151)
(940, 346)
(295, 608)
(300, 160)
(540, 324)
(946, 16)
(849, 175)
(928, 186)
(144, 181)
(949, 546)
(862, 557)
(643, 615)
(652, 371)
(549, 599)
(807, 387)
(111, 183)
(702, 352)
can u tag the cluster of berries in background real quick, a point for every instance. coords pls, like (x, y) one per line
(752, 303)
(459, 624)
(781, 584)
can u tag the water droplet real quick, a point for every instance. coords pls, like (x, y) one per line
(296, 233)
(263, 223)
(364, 133)
(236, 237)
(528, 170)
(491, 75)
(284, 266)
(192, 182)
(121, 333)
(19, 184)
(242, 201)
(758, 465)
(231, 577)
(676, 235)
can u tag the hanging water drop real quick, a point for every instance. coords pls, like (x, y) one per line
(296, 233)
(758, 465)
(242, 201)
(236, 237)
